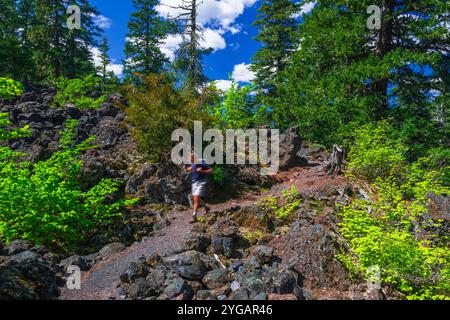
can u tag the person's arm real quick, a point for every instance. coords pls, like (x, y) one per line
(205, 170)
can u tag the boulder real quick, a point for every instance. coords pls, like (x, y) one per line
(111, 249)
(263, 254)
(196, 241)
(223, 245)
(216, 278)
(290, 145)
(178, 287)
(134, 271)
(192, 265)
(311, 251)
(76, 260)
(26, 276)
(135, 181)
(17, 246)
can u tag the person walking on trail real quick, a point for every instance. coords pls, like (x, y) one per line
(199, 175)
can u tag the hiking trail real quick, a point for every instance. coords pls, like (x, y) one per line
(101, 281)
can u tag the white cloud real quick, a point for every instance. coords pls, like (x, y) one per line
(217, 17)
(242, 73)
(170, 45)
(102, 21)
(117, 69)
(221, 13)
(223, 85)
(306, 8)
(213, 39)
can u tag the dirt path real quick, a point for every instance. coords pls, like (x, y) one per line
(101, 281)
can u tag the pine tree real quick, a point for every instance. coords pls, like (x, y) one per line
(78, 61)
(59, 51)
(189, 56)
(277, 27)
(345, 74)
(13, 57)
(104, 61)
(146, 33)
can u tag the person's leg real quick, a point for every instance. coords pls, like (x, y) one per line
(203, 204)
(196, 207)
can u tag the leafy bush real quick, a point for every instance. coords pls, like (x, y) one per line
(253, 236)
(283, 207)
(6, 153)
(10, 88)
(78, 92)
(218, 176)
(394, 231)
(236, 109)
(45, 202)
(376, 151)
(156, 110)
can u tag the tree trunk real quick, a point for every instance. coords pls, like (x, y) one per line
(334, 165)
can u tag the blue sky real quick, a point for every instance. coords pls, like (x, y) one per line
(228, 30)
(232, 36)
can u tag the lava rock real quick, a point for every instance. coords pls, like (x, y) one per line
(17, 246)
(223, 245)
(135, 270)
(290, 145)
(216, 278)
(196, 241)
(263, 254)
(312, 251)
(178, 287)
(111, 249)
(192, 265)
(240, 294)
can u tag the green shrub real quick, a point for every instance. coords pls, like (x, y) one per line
(393, 230)
(283, 207)
(46, 203)
(219, 175)
(78, 91)
(376, 151)
(253, 236)
(10, 88)
(236, 108)
(156, 110)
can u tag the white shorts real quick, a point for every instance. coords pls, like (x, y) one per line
(199, 188)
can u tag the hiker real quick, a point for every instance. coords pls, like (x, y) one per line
(199, 175)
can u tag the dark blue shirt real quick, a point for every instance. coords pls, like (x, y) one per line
(197, 176)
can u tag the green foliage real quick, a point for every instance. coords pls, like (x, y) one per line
(276, 32)
(37, 46)
(156, 110)
(10, 88)
(78, 91)
(394, 231)
(253, 236)
(188, 64)
(236, 109)
(344, 74)
(376, 152)
(146, 33)
(219, 175)
(46, 203)
(6, 154)
(281, 208)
